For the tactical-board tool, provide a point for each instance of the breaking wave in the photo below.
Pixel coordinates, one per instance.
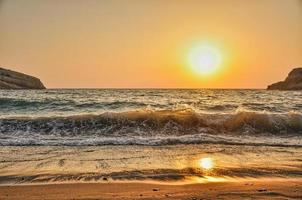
(166, 121)
(148, 127)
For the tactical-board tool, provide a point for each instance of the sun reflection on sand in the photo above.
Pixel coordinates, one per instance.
(207, 179)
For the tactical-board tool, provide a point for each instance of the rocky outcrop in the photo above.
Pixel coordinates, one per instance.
(292, 82)
(15, 80)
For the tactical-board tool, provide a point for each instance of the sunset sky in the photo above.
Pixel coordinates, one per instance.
(148, 43)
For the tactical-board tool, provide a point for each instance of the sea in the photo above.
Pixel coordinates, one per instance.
(97, 135)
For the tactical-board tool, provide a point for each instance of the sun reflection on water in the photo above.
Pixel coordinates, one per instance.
(206, 163)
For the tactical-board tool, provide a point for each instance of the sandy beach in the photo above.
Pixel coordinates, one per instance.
(254, 189)
(142, 172)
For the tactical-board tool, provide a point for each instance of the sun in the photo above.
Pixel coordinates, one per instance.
(205, 59)
(206, 163)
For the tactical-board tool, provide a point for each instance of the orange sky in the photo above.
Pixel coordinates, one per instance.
(146, 43)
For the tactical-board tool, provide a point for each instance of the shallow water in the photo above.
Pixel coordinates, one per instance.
(176, 163)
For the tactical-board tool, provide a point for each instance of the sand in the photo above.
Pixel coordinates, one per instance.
(270, 189)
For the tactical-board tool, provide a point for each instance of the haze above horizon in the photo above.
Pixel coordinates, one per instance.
(152, 44)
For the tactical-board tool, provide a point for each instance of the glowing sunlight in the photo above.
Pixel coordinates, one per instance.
(205, 59)
(206, 163)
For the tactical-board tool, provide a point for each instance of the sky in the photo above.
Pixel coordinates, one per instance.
(148, 43)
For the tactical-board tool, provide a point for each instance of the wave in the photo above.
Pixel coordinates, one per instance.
(11, 103)
(54, 104)
(164, 121)
(150, 127)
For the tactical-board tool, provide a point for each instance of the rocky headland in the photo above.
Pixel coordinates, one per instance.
(292, 82)
(15, 80)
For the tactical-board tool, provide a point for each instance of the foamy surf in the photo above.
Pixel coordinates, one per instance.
(149, 117)
(149, 127)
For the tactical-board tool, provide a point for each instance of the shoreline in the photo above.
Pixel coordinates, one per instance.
(21, 165)
(264, 189)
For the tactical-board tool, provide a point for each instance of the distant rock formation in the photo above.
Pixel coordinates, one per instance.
(292, 82)
(15, 80)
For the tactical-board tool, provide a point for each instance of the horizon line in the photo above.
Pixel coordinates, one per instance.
(156, 88)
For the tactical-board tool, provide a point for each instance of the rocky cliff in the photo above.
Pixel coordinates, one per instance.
(292, 82)
(15, 80)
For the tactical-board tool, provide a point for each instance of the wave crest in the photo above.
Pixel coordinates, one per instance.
(176, 122)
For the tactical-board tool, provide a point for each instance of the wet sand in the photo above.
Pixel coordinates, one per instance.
(168, 172)
(255, 189)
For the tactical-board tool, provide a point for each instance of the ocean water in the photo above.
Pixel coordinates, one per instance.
(149, 117)
(148, 134)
